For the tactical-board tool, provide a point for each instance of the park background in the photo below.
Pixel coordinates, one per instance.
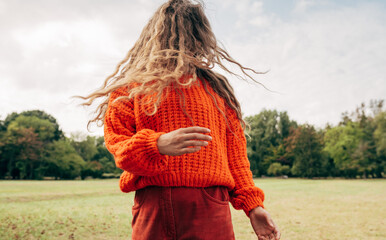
(324, 118)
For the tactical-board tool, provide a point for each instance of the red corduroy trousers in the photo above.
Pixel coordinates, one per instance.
(182, 213)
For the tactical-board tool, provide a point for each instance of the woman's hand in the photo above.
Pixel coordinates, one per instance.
(177, 142)
(263, 225)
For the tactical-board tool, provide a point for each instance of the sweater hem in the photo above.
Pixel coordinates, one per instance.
(130, 182)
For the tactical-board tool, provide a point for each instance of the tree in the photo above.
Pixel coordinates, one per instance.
(341, 143)
(306, 145)
(380, 142)
(2, 126)
(361, 157)
(21, 147)
(3, 162)
(58, 134)
(87, 148)
(42, 127)
(268, 129)
(94, 152)
(276, 169)
(105, 157)
(62, 160)
(21, 150)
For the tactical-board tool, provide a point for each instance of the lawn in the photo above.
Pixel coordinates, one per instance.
(96, 209)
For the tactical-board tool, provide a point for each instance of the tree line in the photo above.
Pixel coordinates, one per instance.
(355, 148)
(32, 146)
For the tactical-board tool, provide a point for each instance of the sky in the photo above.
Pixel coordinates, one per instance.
(324, 57)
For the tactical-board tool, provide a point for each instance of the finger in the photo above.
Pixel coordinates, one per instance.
(276, 228)
(197, 136)
(194, 143)
(278, 235)
(191, 150)
(261, 237)
(195, 129)
(276, 231)
(265, 237)
(271, 236)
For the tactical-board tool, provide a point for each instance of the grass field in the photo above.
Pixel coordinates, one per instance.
(96, 209)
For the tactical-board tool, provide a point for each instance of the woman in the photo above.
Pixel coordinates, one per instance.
(174, 127)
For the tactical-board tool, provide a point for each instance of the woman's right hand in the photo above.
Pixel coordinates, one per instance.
(263, 224)
(177, 142)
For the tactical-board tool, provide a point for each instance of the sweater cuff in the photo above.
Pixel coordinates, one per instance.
(147, 152)
(252, 203)
(247, 199)
(151, 146)
(143, 156)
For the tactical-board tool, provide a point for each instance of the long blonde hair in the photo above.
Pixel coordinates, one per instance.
(177, 41)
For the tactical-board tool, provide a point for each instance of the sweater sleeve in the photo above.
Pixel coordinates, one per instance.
(245, 195)
(134, 151)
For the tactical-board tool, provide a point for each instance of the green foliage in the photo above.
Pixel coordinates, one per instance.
(268, 129)
(63, 161)
(58, 134)
(380, 134)
(356, 144)
(87, 148)
(276, 169)
(32, 146)
(42, 127)
(356, 147)
(94, 152)
(21, 149)
(380, 143)
(306, 145)
(2, 126)
(341, 143)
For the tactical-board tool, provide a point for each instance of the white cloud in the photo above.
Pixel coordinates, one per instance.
(251, 13)
(323, 61)
(66, 48)
(301, 6)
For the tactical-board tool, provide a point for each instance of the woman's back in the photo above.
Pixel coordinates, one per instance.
(175, 126)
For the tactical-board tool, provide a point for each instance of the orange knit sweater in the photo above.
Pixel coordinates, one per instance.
(131, 136)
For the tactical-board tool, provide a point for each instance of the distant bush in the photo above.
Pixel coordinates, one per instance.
(276, 169)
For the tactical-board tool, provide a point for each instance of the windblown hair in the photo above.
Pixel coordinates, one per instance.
(177, 41)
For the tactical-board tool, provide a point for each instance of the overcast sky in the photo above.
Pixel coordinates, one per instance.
(325, 57)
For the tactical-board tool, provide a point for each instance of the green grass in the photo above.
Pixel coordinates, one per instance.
(96, 209)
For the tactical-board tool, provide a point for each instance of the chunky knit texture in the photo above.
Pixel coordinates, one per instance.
(131, 136)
